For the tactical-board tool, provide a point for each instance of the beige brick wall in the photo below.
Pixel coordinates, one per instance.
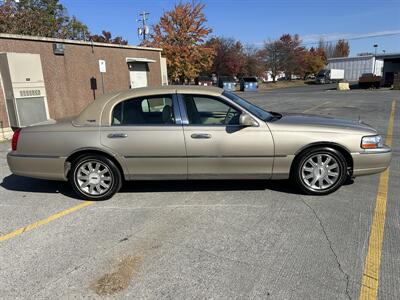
(67, 77)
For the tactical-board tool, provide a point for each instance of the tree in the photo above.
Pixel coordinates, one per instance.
(46, 18)
(291, 53)
(339, 49)
(272, 57)
(228, 56)
(181, 33)
(342, 49)
(252, 62)
(285, 54)
(106, 37)
(312, 62)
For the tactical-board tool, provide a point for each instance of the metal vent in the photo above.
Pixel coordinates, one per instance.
(58, 49)
(31, 110)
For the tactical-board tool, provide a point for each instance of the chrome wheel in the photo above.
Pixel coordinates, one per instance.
(320, 171)
(94, 178)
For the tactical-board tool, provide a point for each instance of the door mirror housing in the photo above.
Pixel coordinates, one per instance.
(246, 120)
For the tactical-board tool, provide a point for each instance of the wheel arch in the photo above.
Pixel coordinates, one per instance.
(94, 151)
(340, 148)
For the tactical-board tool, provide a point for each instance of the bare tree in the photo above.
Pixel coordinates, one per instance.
(272, 57)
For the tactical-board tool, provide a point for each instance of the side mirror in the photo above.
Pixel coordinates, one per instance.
(246, 120)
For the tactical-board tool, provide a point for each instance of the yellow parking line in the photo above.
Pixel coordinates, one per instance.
(370, 279)
(316, 106)
(44, 221)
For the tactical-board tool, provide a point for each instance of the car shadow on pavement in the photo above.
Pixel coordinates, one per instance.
(32, 185)
(284, 186)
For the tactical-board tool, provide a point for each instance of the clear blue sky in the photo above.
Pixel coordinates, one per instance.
(254, 21)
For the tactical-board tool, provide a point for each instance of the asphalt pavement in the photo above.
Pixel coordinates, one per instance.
(205, 239)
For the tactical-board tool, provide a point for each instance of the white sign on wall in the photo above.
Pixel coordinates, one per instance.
(102, 66)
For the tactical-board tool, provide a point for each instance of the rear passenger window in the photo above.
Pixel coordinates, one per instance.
(157, 110)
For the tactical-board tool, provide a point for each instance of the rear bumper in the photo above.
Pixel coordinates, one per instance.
(371, 162)
(37, 166)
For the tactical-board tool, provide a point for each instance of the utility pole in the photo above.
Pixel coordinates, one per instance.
(375, 46)
(143, 31)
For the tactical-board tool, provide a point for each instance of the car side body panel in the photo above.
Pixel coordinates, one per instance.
(168, 152)
(150, 152)
(229, 152)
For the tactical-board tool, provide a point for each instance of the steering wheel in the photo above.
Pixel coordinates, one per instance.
(229, 115)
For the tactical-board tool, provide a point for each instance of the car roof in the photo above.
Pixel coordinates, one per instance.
(91, 115)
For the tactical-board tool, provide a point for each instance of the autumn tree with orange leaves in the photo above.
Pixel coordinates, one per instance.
(182, 33)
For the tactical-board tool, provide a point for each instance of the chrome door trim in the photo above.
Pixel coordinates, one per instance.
(201, 136)
(118, 135)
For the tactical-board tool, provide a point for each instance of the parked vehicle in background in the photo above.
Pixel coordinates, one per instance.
(248, 84)
(192, 132)
(369, 80)
(214, 79)
(329, 75)
(228, 83)
(295, 77)
(203, 81)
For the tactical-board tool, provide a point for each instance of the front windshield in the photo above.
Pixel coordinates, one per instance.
(255, 110)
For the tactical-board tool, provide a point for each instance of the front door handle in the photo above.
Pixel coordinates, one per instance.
(201, 136)
(117, 135)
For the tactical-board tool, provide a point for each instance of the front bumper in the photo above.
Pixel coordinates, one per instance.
(37, 166)
(371, 161)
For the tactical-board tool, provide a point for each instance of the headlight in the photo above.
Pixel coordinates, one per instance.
(372, 142)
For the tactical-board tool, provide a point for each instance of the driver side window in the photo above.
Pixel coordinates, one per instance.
(204, 110)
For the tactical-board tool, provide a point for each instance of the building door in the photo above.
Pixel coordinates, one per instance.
(138, 74)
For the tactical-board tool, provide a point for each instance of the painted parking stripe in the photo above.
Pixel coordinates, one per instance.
(315, 107)
(44, 221)
(370, 278)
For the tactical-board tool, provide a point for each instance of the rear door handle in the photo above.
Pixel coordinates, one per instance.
(117, 135)
(201, 136)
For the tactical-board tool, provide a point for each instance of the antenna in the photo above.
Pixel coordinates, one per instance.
(144, 30)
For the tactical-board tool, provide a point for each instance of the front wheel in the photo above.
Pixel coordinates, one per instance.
(320, 171)
(95, 177)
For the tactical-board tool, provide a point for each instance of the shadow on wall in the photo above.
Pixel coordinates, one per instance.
(31, 185)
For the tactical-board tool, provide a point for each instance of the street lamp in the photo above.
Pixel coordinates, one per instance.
(376, 47)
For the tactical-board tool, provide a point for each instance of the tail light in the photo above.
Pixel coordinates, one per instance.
(14, 140)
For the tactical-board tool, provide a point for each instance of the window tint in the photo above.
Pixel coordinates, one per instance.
(210, 111)
(144, 111)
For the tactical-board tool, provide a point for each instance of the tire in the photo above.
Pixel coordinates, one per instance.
(319, 171)
(94, 177)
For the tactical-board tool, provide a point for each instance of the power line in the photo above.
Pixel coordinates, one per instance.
(355, 38)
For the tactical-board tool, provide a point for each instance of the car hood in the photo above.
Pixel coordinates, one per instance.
(297, 122)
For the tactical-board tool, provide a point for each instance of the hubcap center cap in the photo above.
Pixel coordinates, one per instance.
(94, 178)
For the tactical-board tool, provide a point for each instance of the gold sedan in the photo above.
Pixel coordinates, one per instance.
(178, 133)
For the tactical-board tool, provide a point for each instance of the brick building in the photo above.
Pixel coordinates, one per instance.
(54, 78)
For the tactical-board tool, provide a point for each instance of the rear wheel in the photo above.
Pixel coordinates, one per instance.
(320, 171)
(95, 177)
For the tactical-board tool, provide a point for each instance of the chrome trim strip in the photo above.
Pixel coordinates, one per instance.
(375, 151)
(33, 156)
(207, 156)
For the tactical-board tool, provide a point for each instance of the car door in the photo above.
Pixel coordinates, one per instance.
(147, 132)
(217, 146)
